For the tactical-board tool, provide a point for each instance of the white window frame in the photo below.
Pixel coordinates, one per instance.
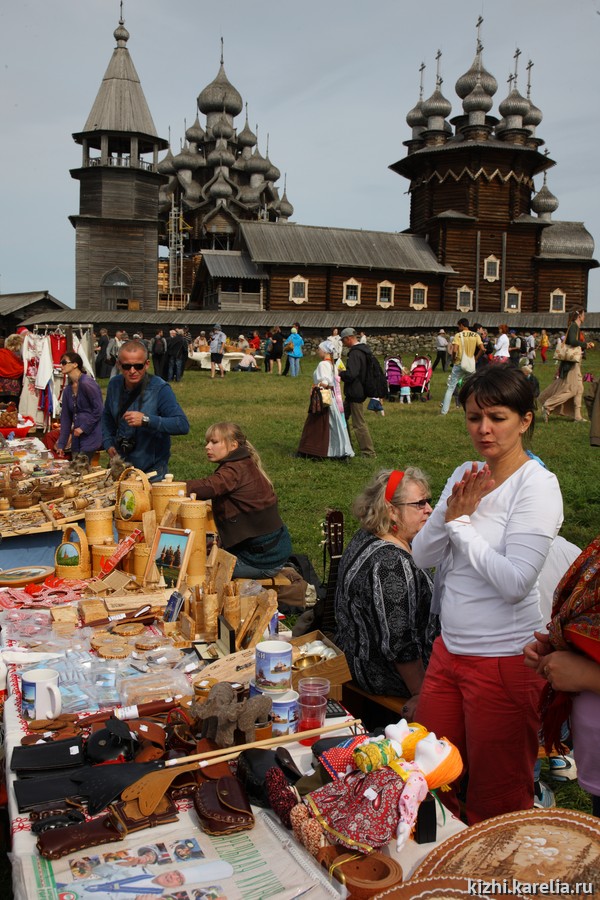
(465, 289)
(557, 292)
(491, 259)
(418, 287)
(385, 303)
(512, 309)
(351, 282)
(298, 279)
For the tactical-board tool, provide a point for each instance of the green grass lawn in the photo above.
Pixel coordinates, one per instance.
(271, 410)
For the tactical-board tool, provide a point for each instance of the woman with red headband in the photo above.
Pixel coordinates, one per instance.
(489, 537)
(382, 600)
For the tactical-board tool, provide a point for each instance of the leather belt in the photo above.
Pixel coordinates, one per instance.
(364, 876)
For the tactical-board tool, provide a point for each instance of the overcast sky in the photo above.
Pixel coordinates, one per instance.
(331, 81)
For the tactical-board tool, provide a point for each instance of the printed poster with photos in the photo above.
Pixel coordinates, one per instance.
(182, 863)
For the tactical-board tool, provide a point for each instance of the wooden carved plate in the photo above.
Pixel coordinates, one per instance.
(23, 575)
(438, 888)
(533, 846)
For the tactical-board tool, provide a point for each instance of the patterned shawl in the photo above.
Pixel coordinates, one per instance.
(575, 625)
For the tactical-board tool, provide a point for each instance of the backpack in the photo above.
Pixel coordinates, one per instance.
(375, 383)
(158, 346)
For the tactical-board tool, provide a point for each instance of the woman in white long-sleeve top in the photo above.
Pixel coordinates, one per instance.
(488, 537)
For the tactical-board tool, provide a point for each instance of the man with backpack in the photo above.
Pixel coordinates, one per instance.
(466, 348)
(359, 383)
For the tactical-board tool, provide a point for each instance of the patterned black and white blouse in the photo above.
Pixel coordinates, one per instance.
(382, 609)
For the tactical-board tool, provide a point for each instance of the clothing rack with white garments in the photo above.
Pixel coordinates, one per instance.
(43, 381)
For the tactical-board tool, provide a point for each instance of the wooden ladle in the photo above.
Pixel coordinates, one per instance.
(150, 788)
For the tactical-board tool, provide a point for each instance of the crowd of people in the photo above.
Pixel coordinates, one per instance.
(464, 647)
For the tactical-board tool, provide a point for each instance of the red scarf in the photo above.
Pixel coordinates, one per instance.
(11, 365)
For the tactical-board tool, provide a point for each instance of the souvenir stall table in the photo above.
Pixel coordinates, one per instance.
(119, 646)
(38, 496)
(202, 357)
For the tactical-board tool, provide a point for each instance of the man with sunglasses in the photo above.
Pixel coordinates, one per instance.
(140, 414)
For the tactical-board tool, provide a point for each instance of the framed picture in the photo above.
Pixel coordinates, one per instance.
(170, 553)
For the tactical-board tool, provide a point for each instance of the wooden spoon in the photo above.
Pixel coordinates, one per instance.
(151, 788)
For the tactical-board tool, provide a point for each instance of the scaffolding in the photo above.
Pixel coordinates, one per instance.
(177, 227)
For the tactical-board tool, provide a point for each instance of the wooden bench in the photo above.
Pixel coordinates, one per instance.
(373, 709)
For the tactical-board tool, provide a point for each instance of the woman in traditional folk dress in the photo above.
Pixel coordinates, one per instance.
(325, 435)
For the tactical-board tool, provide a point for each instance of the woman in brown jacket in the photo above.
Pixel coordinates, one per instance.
(244, 504)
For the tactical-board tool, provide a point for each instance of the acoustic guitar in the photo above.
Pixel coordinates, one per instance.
(333, 529)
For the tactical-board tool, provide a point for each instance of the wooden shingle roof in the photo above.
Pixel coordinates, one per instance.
(278, 244)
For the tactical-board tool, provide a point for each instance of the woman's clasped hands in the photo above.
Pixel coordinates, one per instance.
(468, 492)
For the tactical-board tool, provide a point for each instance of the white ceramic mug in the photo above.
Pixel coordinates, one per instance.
(40, 694)
(273, 666)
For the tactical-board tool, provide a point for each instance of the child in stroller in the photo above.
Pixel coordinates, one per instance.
(420, 374)
(393, 374)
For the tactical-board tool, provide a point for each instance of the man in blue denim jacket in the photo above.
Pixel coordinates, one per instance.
(140, 414)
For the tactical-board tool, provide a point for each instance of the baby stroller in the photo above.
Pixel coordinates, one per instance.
(393, 373)
(420, 372)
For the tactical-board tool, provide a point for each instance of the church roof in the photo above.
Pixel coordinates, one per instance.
(316, 246)
(567, 240)
(120, 104)
(10, 303)
(232, 264)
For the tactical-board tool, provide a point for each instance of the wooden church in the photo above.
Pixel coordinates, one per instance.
(481, 238)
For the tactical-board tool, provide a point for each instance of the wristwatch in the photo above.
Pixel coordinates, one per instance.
(145, 420)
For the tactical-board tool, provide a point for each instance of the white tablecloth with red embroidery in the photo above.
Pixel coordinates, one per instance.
(35, 877)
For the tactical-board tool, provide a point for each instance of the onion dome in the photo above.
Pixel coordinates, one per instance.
(285, 208)
(478, 100)
(165, 166)
(272, 173)
(186, 159)
(120, 34)
(221, 155)
(415, 117)
(246, 137)
(257, 164)
(533, 117)
(251, 195)
(436, 106)
(544, 202)
(220, 189)
(514, 105)
(192, 192)
(195, 133)
(222, 128)
(467, 82)
(220, 95)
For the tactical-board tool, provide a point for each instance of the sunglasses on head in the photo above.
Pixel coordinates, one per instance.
(421, 504)
(137, 366)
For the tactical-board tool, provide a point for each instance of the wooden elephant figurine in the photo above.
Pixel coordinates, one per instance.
(255, 710)
(219, 714)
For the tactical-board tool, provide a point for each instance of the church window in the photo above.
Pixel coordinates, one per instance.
(298, 289)
(512, 300)
(418, 295)
(491, 268)
(558, 301)
(464, 298)
(385, 294)
(351, 292)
